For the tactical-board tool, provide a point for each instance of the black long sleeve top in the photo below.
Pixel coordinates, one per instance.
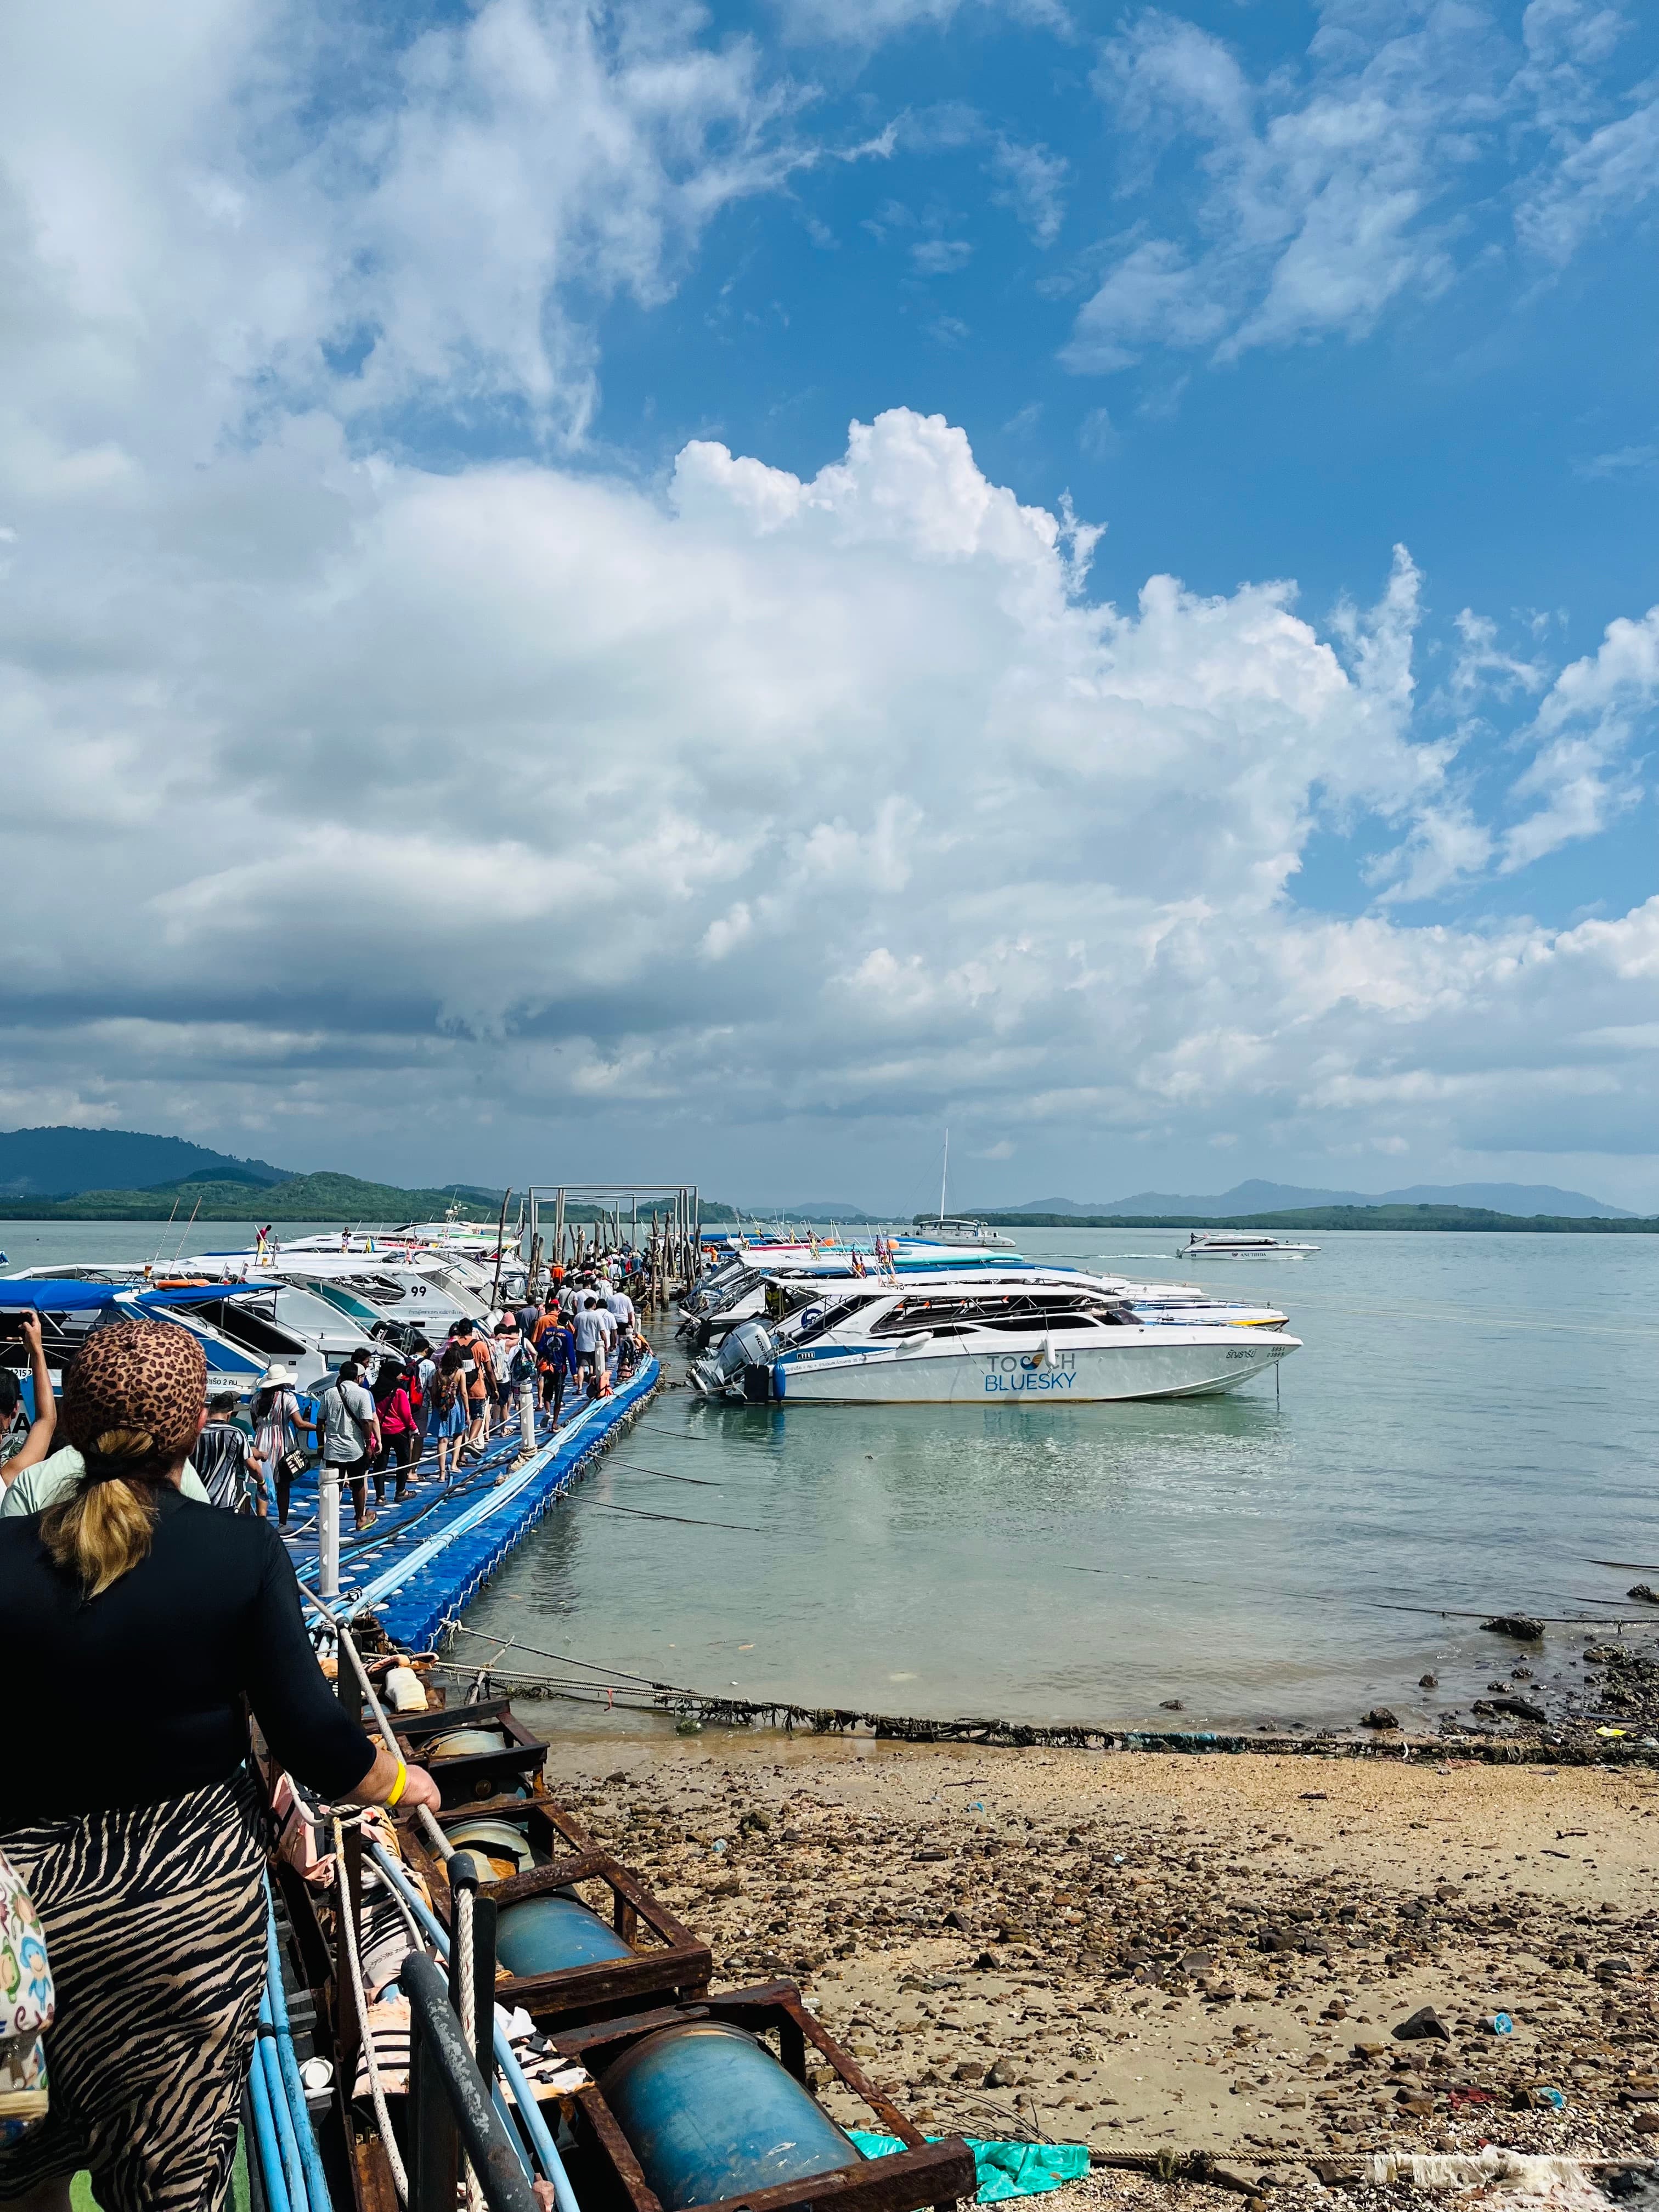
(136, 1695)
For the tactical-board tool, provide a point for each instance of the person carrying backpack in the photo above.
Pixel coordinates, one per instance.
(351, 1434)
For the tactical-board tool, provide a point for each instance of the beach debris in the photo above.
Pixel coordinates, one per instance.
(1380, 1717)
(1497, 2023)
(1421, 2024)
(1520, 1708)
(1521, 1626)
(1522, 2171)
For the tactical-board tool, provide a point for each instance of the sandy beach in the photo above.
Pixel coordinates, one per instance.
(1143, 1952)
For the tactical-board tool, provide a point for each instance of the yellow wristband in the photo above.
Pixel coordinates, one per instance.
(398, 1786)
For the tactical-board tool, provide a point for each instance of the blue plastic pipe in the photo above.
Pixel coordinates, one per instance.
(271, 2172)
(311, 2158)
(547, 2153)
(285, 2135)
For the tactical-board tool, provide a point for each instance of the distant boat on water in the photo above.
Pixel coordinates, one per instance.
(1241, 1244)
(964, 1229)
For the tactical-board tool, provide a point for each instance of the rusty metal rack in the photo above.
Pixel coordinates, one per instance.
(922, 2173)
(672, 1964)
(465, 1782)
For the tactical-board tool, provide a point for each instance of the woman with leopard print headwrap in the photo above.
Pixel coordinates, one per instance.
(142, 1847)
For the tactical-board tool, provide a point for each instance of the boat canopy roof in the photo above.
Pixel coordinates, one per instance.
(55, 1295)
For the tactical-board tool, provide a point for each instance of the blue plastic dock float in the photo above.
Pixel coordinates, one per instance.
(424, 1559)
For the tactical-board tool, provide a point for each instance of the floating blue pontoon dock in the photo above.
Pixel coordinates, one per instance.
(424, 1560)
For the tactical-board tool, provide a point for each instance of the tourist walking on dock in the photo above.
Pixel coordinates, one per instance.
(276, 1422)
(145, 1853)
(622, 1312)
(452, 1410)
(223, 1457)
(398, 1430)
(423, 1381)
(556, 1356)
(593, 1330)
(465, 1339)
(351, 1436)
(503, 1346)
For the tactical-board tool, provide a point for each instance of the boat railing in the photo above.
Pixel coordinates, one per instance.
(451, 2110)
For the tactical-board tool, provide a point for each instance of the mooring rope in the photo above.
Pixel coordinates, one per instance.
(360, 1999)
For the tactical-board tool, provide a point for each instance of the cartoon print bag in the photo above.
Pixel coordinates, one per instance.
(26, 2007)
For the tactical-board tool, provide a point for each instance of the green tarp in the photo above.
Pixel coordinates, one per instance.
(1004, 2169)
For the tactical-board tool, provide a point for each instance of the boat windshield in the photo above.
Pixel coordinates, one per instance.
(734, 1291)
(815, 1314)
(1015, 1310)
(354, 1308)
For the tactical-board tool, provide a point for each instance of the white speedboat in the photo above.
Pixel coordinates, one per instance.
(743, 1291)
(958, 1229)
(1241, 1244)
(970, 1339)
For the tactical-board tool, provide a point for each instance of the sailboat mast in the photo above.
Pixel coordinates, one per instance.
(943, 1172)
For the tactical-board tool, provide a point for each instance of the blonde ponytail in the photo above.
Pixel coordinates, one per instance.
(104, 1530)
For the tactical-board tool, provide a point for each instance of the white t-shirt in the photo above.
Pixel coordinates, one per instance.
(56, 1475)
(589, 1329)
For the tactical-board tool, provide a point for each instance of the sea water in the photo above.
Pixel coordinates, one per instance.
(1470, 1428)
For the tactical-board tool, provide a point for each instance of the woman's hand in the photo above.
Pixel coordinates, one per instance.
(421, 1789)
(38, 1443)
(381, 1779)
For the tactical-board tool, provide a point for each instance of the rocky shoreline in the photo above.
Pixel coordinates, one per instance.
(1156, 1953)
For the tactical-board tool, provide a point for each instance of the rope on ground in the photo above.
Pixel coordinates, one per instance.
(699, 1706)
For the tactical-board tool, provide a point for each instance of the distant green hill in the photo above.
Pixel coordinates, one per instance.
(1342, 1217)
(341, 1198)
(55, 1162)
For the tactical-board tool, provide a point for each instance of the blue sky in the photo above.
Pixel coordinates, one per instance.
(604, 564)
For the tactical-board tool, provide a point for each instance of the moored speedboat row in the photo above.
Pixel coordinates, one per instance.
(943, 1327)
(768, 1282)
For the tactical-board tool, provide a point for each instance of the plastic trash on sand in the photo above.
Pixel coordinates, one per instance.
(1004, 2169)
(1517, 2175)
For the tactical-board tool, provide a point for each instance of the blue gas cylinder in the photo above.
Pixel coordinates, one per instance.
(709, 2112)
(541, 1935)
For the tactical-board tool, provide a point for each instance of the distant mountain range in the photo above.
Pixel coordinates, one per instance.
(1259, 1197)
(57, 1163)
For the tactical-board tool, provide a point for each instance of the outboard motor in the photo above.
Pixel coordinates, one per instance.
(747, 1361)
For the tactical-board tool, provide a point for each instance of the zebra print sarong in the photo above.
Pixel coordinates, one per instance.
(154, 1918)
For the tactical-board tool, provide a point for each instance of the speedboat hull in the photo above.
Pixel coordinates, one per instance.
(1159, 1361)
